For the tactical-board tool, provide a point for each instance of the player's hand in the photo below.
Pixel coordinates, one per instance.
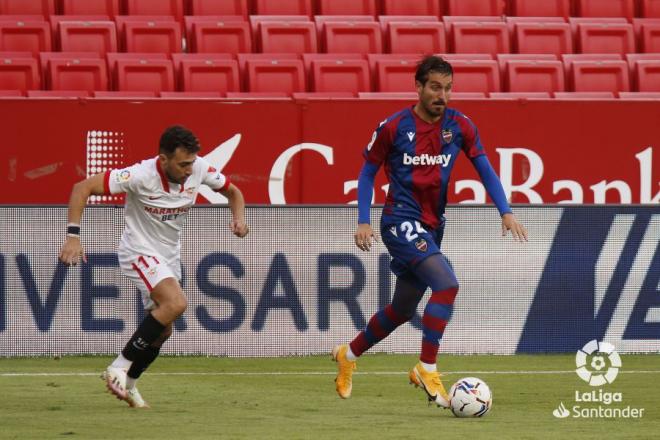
(364, 236)
(510, 223)
(239, 228)
(72, 251)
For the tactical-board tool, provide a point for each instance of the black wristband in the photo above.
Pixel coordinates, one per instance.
(73, 230)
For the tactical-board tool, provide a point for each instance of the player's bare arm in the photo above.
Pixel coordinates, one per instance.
(72, 249)
(510, 223)
(237, 205)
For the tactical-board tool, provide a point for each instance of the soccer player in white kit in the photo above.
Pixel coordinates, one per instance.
(159, 192)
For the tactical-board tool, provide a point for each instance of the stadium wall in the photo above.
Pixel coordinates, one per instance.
(298, 285)
(309, 151)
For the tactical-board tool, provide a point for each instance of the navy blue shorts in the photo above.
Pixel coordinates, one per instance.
(409, 242)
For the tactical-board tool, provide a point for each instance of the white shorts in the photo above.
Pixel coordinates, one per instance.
(146, 271)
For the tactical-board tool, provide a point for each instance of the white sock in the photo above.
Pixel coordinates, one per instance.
(121, 362)
(350, 355)
(430, 368)
(130, 383)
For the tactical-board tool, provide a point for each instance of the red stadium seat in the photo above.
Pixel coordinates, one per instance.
(568, 60)
(87, 74)
(210, 74)
(340, 76)
(600, 76)
(404, 96)
(36, 7)
(650, 37)
(19, 71)
(219, 36)
(287, 37)
(476, 76)
(385, 20)
(259, 95)
(321, 20)
(606, 38)
(90, 7)
(650, 8)
(58, 94)
(513, 21)
(9, 94)
(395, 75)
(219, 7)
(322, 95)
(475, 7)
(87, 36)
(541, 8)
(256, 20)
(152, 36)
(276, 75)
(243, 58)
(189, 20)
(23, 35)
(480, 37)
(400, 58)
(519, 95)
(142, 72)
(449, 20)
(588, 96)
(605, 8)
(576, 21)
(647, 75)
(191, 95)
(346, 7)
(155, 7)
(45, 57)
(407, 7)
(504, 58)
(283, 7)
(336, 57)
(451, 57)
(646, 96)
(358, 37)
(416, 37)
(534, 76)
(632, 59)
(533, 38)
(124, 94)
(457, 96)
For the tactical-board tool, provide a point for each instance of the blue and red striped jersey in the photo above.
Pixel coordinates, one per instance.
(418, 159)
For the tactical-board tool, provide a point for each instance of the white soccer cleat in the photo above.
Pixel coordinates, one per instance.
(135, 400)
(115, 380)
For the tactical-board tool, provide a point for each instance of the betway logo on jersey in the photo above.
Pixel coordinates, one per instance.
(427, 159)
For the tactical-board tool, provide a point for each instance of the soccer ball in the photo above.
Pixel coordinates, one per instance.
(470, 397)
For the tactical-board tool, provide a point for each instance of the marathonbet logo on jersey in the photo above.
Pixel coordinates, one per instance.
(427, 159)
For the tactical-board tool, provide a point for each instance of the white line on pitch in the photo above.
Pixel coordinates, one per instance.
(317, 373)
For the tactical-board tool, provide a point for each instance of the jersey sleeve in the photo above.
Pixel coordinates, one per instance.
(211, 177)
(472, 146)
(379, 146)
(122, 180)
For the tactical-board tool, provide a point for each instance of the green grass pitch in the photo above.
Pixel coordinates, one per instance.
(294, 398)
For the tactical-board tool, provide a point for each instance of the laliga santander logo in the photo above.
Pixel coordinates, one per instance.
(600, 352)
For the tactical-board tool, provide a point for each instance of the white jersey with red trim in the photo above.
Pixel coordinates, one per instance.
(156, 209)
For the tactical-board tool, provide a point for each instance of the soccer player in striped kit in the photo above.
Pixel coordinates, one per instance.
(418, 146)
(159, 193)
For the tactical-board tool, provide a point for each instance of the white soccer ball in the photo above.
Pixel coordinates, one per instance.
(470, 397)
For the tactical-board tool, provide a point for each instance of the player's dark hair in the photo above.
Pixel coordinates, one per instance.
(432, 63)
(178, 136)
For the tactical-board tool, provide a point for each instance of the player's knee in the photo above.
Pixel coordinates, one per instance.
(179, 305)
(406, 311)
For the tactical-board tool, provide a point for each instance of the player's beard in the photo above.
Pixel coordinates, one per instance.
(433, 111)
